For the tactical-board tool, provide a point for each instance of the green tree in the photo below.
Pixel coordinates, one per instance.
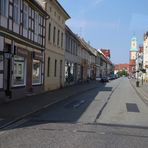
(122, 73)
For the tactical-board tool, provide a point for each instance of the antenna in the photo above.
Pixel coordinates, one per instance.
(80, 31)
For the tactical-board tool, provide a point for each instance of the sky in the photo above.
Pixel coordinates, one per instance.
(108, 23)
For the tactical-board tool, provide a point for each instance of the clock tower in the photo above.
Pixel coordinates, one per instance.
(133, 53)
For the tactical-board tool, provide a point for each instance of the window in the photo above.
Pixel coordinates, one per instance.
(59, 17)
(50, 9)
(58, 37)
(4, 7)
(16, 11)
(36, 23)
(36, 72)
(62, 40)
(54, 32)
(55, 13)
(48, 67)
(25, 16)
(49, 31)
(19, 71)
(55, 68)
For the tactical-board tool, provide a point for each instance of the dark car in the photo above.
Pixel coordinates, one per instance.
(104, 79)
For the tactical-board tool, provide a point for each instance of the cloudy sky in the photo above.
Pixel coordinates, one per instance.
(108, 23)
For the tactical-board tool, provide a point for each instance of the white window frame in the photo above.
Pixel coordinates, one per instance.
(39, 83)
(36, 23)
(16, 11)
(4, 8)
(25, 70)
(25, 15)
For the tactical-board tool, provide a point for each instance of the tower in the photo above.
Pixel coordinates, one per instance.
(133, 53)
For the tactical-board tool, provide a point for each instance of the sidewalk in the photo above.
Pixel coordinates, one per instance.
(142, 90)
(19, 109)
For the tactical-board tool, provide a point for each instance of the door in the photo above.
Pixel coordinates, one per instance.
(61, 63)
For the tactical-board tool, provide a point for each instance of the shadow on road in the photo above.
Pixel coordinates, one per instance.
(66, 111)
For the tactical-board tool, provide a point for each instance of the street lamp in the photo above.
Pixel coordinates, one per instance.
(8, 55)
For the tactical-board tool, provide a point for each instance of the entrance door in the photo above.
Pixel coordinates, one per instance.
(1, 74)
(61, 63)
(81, 72)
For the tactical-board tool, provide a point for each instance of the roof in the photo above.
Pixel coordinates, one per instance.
(60, 6)
(105, 58)
(38, 6)
(90, 49)
(71, 32)
(121, 66)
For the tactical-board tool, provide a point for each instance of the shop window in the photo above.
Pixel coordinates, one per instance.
(36, 72)
(19, 71)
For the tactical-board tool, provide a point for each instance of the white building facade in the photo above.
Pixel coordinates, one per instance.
(22, 39)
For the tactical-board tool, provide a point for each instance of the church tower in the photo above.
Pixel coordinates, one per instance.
(133, 53)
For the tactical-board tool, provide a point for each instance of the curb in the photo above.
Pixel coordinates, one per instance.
(140, 94)
(105, 104)
(43, 107)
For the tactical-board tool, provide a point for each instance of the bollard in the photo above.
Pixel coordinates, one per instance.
(137, 83)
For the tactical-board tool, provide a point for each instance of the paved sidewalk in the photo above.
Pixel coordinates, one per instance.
(142, 90)
(16, 110)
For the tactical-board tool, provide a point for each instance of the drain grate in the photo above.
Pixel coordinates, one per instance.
(132, 107)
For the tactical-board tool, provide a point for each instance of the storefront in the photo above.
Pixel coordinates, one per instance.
(70, 73)
(21, 70)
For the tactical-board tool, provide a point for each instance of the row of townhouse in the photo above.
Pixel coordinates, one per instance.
(138, 65)
(38, 52)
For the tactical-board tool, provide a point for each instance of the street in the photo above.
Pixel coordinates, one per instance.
(109, 116)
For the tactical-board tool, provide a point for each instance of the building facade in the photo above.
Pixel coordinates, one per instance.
(145, 56)
(133, 56)
(87, 56)
(121, 67)
(22, 39)
(72, 66)
(55, 45)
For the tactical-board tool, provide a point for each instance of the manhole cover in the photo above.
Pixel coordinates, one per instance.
(132, 107)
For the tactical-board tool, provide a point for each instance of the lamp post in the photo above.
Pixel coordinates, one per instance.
(8, 56)
(137, 69)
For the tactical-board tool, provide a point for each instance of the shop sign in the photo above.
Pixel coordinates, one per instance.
(38, 56)
(21, 52)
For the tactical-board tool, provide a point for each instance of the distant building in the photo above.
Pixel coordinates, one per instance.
(145, 55)
(106, 52)
(120, 67)
(133, 54)
(106, 66)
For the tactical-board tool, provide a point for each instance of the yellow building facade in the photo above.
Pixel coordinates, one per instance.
(55, 45)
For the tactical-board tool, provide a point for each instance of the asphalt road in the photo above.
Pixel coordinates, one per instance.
(106, 117)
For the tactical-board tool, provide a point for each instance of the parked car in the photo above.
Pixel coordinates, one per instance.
(104, 79)
(112, 77)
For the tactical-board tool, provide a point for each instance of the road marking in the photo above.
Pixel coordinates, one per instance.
(16, 124)
(79, 104)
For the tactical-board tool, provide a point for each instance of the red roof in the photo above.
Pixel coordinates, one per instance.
(121, 66)
(132, 62)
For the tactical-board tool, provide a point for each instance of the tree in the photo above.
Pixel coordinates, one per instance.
(122, 73)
